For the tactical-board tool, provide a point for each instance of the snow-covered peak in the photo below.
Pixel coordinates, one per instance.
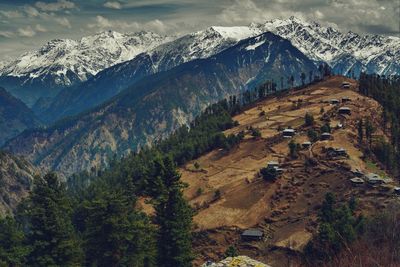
(84, 58)
(330, 45)
(237, 33)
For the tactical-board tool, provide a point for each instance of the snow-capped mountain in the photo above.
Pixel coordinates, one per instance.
(345, 52)
(126, 58)
(62, 63)
(109, 82)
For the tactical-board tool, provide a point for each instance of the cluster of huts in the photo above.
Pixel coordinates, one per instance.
(371, 179)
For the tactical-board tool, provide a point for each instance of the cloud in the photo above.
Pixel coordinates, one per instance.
(26, 32)
(113, 5)
(55, 6)
(355, 15)
(63, 21)
(6, 34)
(11, 14)
(31, 11)
(40, 28)
(104, 23)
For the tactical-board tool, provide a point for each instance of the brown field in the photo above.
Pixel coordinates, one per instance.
(285, 209)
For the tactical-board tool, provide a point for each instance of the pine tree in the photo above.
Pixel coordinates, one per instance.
(50, 232)
(303, 78)
(13, 251)
(115, 234)
(360, 126)
(369, 130)
(174, 217)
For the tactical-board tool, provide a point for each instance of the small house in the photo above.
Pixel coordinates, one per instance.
(346, 99)
(357, 181)
(326, 136)
(358, 173)
(334, 101)
(337, 152)
(306, 145)
(345, 111)
(272, 164)
(288, 133)
(396, 190)
(374, 179)
(279, 171)
(346, 85)
(252, 235)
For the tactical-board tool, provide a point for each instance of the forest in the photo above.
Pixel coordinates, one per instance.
(385, 90)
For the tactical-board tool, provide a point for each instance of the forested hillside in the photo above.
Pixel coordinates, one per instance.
(387, 92)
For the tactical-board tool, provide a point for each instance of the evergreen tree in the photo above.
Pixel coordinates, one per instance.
(310, 76)
(309, 119)
(369, 130)
(115, 234)
(231, 251)
(13, 251)
(360, 131)
(174, 217)
(303, 78)
(50, 232)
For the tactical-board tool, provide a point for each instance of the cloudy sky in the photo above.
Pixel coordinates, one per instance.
(28, 24)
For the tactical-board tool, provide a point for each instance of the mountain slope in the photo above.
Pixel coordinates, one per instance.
(16, 176)
(15, 116)
(157, 105)
(109, 82)
(63, 63)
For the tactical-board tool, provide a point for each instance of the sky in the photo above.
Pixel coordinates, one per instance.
(28, 24)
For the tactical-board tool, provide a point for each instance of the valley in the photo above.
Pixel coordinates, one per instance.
(286, 209)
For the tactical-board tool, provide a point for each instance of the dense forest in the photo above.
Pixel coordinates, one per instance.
(386, 91)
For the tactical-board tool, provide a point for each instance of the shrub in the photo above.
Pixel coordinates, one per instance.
(269, 174)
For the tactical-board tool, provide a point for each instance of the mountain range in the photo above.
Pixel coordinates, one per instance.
(157, 105)
(112, 93)
(64, 63)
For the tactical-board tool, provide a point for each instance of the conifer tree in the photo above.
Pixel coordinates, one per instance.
(115, 234)
(50, 232)
(13, 251)
(174, 217)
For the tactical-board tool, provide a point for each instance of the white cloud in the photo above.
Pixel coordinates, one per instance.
(113, 5)
(40, 28)
(26, 32)
(6, 34)
(63, 21)
(55, 6)
(11, 14)
(31, 11)
(104, 23)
